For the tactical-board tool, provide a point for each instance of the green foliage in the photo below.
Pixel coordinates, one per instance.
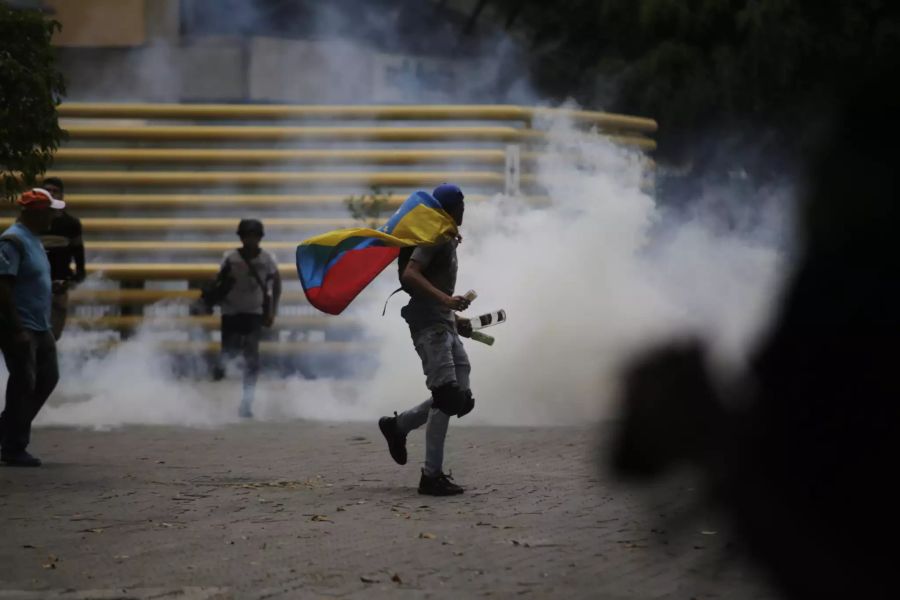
(705, 67)
(30, 91)
(369, 208)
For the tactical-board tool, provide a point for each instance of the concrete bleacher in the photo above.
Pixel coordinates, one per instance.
(160, 188)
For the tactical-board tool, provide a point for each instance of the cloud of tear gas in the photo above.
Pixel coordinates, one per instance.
(586, 281)
(132, 383)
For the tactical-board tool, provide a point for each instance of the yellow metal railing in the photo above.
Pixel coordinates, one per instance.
(262, 201)
(292, 166)
(216, 133)
(177, 246)
(193, 179)
(265, 157)
(248, 133)
(212, 224)
(167, 271)
(349, 113)
(142, 297)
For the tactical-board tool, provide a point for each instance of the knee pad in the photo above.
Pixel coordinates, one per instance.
(468, 403)
(448, 398)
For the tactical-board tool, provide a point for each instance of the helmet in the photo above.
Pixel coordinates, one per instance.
(250, 227)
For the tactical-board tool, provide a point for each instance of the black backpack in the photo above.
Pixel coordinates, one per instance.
(214, 292)
(439, 262)
(402, 261)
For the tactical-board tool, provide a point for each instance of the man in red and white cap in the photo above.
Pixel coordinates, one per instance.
(25, 333)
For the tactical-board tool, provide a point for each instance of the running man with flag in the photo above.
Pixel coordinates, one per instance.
(423, 234)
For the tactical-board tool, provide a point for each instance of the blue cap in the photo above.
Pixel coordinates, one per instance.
(448, 195)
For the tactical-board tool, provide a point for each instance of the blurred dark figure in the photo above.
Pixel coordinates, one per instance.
(64, 246)
(802, 454)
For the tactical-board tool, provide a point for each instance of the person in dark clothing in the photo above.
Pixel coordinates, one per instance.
(430, 277)
(64, 246)
(25, 337)
(250, 304)
(801, 451)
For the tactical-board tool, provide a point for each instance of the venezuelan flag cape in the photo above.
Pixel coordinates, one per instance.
(335, 267)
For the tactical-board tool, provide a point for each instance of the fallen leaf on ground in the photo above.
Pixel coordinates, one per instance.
(427, 536)
(321, 519)
(396, 578)
(369, 579)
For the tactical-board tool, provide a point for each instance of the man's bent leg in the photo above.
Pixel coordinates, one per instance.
(461, 364)
(463, 369)
(413, 418)
(394, 429)
(437, 363)
(435, 348)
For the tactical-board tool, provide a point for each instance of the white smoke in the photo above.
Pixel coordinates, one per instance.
(587, 280)
(132, 384)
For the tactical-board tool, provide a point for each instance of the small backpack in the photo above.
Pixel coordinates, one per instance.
(402, 261)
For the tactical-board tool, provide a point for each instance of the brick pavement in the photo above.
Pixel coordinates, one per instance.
(302, 509)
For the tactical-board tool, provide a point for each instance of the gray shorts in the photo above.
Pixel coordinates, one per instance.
(444, 359)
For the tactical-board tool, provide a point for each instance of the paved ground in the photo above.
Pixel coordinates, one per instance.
(299, 509)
